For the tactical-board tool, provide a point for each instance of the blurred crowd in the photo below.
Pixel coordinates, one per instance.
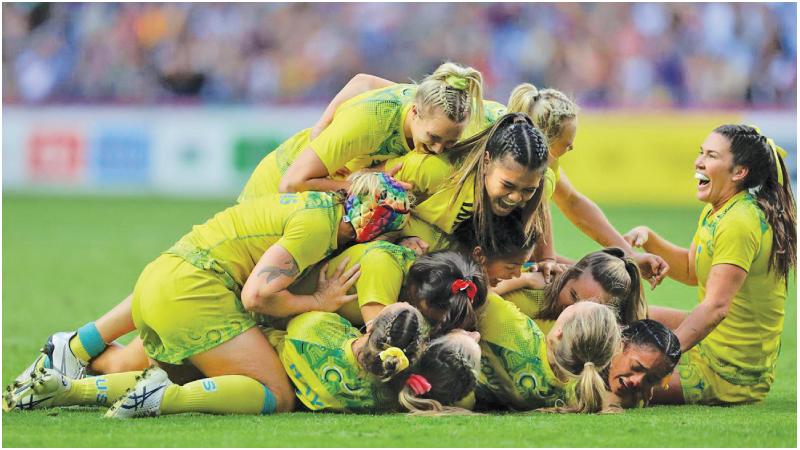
(634, 54)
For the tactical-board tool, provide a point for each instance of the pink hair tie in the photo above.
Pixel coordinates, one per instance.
(418, 384)
(464, 285)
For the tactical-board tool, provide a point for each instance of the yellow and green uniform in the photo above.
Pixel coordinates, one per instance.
(530, 302)
(317, 352)
(187, 300)
(365, 130)
(551, 177)
(736, 361)
(383, 267)
(515, 371)
(491, 112)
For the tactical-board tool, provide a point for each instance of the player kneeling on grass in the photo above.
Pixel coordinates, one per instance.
(742, 253)
(332, 366)
(186, 304)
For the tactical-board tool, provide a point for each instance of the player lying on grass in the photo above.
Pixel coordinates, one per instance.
(194, 305)
(740, 258)
(650, 350)
(555, 115)
(608, 276)
(373, 127)
(393, 367)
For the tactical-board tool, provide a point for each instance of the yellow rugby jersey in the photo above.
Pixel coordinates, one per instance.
(316, 351)
(551, 177)
(366, 129)
(383, 268)
(492, 111)
(428, 173)
(743, 348)
(445, 213)
(232, 242)
(530, 302)
(515, 371)
(267, 175)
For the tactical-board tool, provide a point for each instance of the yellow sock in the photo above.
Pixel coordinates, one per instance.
(102, 390)
(77, 349)
(228, 394)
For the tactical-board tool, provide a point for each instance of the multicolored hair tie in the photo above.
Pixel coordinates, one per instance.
(418, 384)
(464, 286)
(377, 204)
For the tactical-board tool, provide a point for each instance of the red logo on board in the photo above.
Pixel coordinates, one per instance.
(55, 156)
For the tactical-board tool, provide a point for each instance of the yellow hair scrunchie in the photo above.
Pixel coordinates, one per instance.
(402, 359)
(776, 150)
(456, 82)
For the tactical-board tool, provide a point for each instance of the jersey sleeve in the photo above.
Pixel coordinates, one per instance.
(352, 134)
(308, 237)
(427, 173)
(737, 240)
(381, 279)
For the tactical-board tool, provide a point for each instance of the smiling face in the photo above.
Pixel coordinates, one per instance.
(564, 142)
(585, 287)
(509, 184)
(432, 131)
(636, 370)
(717, 178)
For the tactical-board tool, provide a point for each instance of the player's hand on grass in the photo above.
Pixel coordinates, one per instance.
(637, 237)
(331, 292)
(416, 244)
(654, 268)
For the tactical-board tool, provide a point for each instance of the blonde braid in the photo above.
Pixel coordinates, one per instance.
(549, 108)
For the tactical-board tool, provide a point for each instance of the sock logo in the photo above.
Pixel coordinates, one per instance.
(102, 390)
(209, 385)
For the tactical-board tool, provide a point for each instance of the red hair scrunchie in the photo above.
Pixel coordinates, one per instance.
(418, 384)
(464, 285)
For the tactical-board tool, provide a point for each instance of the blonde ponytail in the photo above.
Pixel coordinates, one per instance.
(590, 338)
(548, 108)
(425, 406)
(457, 90)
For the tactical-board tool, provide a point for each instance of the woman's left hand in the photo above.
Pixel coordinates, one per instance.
(549, 269)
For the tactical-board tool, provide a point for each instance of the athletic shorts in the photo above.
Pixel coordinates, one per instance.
(181, 310)
(701, 385)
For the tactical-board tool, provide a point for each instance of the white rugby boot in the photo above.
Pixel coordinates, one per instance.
(38, 392)
(56, 354)
(144, 399)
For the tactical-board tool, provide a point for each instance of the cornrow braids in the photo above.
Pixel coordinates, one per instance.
(452, 374)
(751, 149)
(652, 334)
(456, 89)
(400, 326)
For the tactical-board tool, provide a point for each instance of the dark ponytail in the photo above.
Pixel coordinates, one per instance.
(431, 279)
(400, 327)
(753, 150)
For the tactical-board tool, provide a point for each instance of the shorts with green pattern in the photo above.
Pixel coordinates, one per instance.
(701, 385)
(181, 310)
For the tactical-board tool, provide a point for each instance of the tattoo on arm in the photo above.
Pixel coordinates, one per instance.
(273, 272)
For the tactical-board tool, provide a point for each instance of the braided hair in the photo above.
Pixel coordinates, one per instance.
(548, 108)
(753, 150)
(512, 136)
(451, 372)
(654, 335)
(430, 279)
(400, 326)
(455, 89)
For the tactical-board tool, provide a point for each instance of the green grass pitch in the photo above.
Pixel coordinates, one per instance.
(68, 259)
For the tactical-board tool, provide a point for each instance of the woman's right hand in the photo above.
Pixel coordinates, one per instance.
(637, 237)
(331, 292)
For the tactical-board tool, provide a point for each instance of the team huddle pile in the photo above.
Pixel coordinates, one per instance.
(398, 256)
